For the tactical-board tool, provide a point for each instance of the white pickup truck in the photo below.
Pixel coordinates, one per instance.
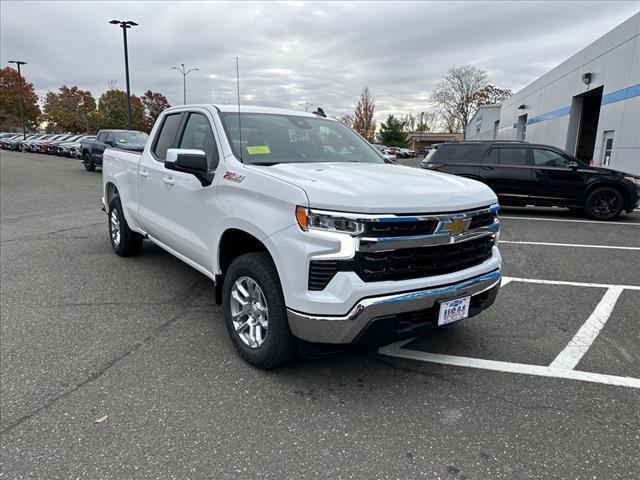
(314, 241)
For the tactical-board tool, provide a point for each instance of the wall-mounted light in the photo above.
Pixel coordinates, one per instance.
(586, 78)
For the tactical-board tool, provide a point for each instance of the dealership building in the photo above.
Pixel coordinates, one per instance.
(588, 105)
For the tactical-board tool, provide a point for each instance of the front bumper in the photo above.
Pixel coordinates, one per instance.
(366, 312)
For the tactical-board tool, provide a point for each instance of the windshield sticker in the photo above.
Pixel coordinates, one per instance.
(258, 150)
(233, 177)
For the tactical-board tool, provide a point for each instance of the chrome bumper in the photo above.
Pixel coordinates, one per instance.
(344, 329)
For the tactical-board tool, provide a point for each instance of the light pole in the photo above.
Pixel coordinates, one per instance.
(18, 63)
(124, 25)
(184, 73)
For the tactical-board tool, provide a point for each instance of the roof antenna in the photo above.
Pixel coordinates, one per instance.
(239, 123)
(320, 111)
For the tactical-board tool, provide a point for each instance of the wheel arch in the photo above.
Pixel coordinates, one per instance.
(603, 183)
(233, 243)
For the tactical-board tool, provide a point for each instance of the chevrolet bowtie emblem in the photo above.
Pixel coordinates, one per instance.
(457, 225)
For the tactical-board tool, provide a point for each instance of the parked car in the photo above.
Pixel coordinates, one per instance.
(49, 146)
(72, 149)
(92, 150)
(23, 145)
(12, 142)
(52, 147)
(310, 248)
(38, 145)
(523, 173)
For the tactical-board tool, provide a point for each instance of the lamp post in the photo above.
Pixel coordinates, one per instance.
(184, 73)
(125, 25)
(18, 63)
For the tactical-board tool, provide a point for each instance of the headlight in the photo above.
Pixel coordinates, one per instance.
(635, 180)
(310, 219)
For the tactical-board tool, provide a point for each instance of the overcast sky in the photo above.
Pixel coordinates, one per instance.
(291, 52)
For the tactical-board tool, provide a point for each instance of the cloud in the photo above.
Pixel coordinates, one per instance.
(295, 52)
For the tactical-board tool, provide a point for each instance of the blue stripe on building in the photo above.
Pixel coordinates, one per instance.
(617, 96)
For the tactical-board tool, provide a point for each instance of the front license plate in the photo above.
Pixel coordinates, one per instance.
(454, 310)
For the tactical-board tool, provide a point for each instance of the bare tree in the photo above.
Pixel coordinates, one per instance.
(457, 94)
(426, 121)
(363, 121)
(408, 122)
(347, 120)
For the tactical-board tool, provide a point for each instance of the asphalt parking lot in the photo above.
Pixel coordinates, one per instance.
(544, 385)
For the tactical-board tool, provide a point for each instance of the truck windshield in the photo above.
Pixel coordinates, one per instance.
(268, 139)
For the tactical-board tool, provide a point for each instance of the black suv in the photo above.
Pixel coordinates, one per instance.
(523, 173)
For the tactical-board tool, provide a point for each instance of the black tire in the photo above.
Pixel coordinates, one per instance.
(604, 203)
(128, 242)
(89, 166)
(279, 345)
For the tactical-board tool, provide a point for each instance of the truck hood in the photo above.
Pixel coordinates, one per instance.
(382, 188)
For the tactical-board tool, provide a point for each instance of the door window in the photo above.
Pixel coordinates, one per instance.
(110, 138)
(167, 135)
(513, 156)
(549, 158)
(198, 135)
(101, 137)
(607, 147)
(494, 156)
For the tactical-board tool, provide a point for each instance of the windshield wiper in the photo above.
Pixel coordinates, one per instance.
(264, 164)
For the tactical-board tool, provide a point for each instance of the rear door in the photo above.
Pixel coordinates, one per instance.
(174, 207)
(555, 181)
(507, 170)
(459, 159)
(151, 188)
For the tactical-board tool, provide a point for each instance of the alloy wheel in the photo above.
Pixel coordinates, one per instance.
(604, 204)
(249, 312)
(114, 224)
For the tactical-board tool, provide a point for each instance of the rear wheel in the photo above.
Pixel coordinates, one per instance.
(89, 166)
(124, 241)
(255, 313)
(604, 203)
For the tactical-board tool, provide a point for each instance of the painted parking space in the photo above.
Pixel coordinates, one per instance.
(531, 332)
(565, 364)
(569, 306)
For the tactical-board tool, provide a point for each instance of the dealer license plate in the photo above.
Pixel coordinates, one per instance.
(454, 310)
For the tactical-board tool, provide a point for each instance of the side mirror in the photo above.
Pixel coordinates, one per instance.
(573, 165)
(189, 161)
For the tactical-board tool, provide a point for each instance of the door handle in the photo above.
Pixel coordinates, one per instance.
(487, 168)
(143, 173)
(168, 180)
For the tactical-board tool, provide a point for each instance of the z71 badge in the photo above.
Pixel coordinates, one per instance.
(234, 177)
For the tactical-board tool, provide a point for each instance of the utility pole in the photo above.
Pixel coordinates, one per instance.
(125, 25)
(184, 73)
(18, 63)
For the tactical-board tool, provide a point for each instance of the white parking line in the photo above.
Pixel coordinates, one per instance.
(570, 220)
(563, 365)
(569, 358)
(551, 244)
(571, 284)
(396, 350)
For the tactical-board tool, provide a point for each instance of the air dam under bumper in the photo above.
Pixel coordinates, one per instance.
(345, 329)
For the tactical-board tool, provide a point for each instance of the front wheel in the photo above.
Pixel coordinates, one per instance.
(89, 166)
(254, 312)
(604, 203)
(125, 242)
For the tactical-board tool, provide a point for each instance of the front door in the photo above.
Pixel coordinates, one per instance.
(555, 180)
